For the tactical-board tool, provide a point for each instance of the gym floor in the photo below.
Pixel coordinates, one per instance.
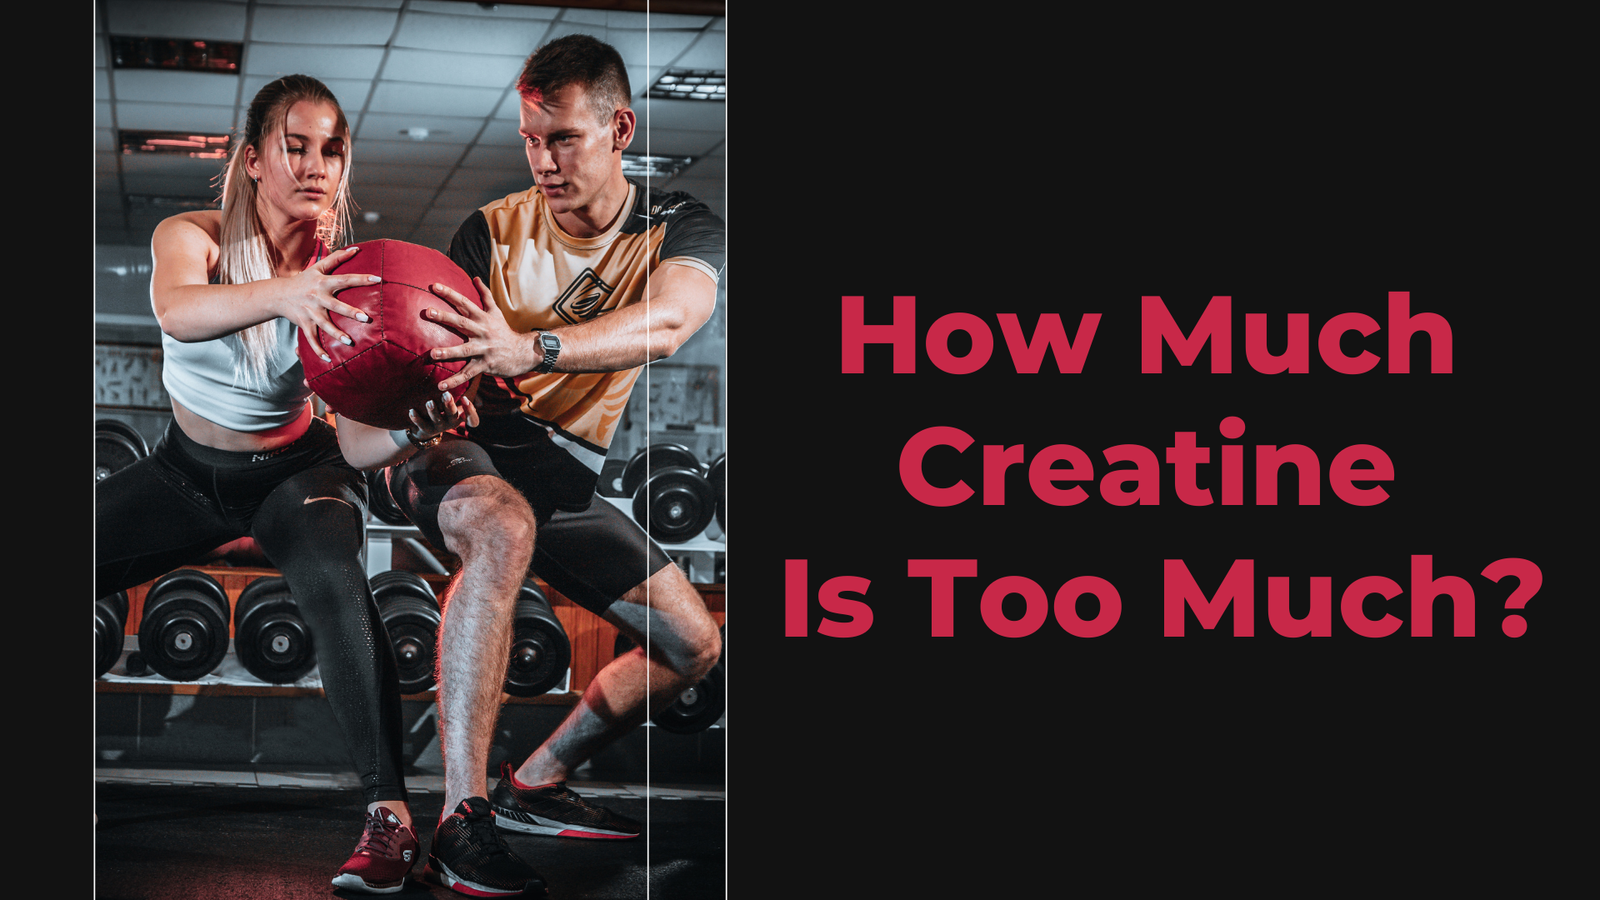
(169, 834)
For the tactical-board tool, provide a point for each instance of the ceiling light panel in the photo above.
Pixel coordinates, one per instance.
(195, 146)
(176, 54)
(691, 84)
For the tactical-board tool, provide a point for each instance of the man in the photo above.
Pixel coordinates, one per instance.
(592, 276)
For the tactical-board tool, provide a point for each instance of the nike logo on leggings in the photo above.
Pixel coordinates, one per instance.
(311, 500)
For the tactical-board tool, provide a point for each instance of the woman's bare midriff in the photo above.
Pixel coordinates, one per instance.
(210, 434)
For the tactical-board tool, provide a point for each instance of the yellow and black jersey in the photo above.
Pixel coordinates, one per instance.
(543, 277)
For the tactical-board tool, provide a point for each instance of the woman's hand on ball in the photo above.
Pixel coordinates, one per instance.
(490, 345)
(311, 299)
(449, 413)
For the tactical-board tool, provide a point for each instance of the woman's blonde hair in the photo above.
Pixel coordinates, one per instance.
(245, 253)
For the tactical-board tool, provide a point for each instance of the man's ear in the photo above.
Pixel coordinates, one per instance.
(622, 129)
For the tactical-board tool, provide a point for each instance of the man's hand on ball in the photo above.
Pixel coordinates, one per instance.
(311, 301)
(491, 346)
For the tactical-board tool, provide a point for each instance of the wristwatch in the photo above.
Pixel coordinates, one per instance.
(550, 347)
(423, 443)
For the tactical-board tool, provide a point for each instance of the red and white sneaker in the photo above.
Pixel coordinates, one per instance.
(555, 809)
(382, 860)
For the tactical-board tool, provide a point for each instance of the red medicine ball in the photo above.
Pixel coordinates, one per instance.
(387, 372)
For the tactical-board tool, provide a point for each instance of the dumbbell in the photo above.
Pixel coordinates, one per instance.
(270, 638)
(540, 650)
(671, 498)
(698, 707)
(410, 614)
(183, 634)
(674, 504)
(381, 502)
(654, 458)
(117, 445)
(717, 477)
(110, 620)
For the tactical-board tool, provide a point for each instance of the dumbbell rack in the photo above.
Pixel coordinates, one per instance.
(381, 538)
(593, 639)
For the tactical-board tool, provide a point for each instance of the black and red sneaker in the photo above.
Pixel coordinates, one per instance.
(470, 857)
(555, 809)
(383, 858)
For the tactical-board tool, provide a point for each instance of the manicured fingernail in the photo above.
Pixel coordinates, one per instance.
(374, 278)
(447, 396)
(347, 341)
(363, 317)
(325, 358)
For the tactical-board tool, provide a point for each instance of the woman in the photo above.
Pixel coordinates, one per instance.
(245, 456)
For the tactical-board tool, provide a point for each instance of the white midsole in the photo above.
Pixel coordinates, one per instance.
(544, 826)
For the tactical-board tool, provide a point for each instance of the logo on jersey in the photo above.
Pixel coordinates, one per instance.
(584, 299)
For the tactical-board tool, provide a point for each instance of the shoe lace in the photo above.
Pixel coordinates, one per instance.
(379, 837)
(562, 792)
(482, 834)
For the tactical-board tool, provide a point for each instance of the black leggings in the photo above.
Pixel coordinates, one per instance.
(306, 509)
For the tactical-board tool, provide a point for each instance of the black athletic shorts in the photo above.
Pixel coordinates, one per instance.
(586, 548)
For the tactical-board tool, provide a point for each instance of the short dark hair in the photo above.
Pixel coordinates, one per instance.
(582, 60)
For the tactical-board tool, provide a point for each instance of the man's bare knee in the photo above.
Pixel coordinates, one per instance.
(486, 518)
(668, 616)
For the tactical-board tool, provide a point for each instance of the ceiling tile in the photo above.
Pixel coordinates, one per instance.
(663, 21)
(406, 152)
(168, 185)
(173, 117)
(483, 156)
(448, 216)
(277, 60)
(434, 99)
(603, 18)
(437, 67)
(676, 142)
(441, 129)
(494, 182)
(393, 198)
(497, 10)
(379, 175)
(331, 25)
(154, 18)
(171, 165)
(471, 34)
(699, 115)
(153, 86)
(367, 4)
(709, 51)
(437, 238)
